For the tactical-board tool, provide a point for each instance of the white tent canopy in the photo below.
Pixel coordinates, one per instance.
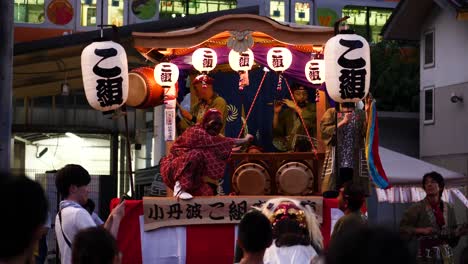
(406, 170)
(405, 174)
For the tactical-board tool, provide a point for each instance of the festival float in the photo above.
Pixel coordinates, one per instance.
(254, 62)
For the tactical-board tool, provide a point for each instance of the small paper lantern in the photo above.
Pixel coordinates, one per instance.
(347, 63)
(279, 59)
(241, 61)
(315, 71)
(166, 74)
(204, 59)
(105, 75)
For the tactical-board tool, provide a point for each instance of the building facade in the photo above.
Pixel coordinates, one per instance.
(441, 29)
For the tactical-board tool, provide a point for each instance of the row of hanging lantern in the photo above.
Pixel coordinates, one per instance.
(345, 69)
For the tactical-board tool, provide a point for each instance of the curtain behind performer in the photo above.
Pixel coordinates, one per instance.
(351, 148)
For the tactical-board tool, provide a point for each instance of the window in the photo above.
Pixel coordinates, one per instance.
(277, 10)
(302, 13)
(429, 49)
(172, 9)
(367, 21)
(115, 14)
(429, 105)
(204, 6)
(29, 11)
(88, 13)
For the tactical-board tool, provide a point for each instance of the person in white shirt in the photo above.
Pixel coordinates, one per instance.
(296, 234)
(24, 213)
(72, 184)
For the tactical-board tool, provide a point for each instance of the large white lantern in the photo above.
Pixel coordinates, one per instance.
(241, 61)
(105, 75)
(204, 59)
(315, 71)
(347, 63)
(279, 59)
(166, 74)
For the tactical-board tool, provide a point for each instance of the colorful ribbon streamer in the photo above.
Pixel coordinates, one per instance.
(374, 163)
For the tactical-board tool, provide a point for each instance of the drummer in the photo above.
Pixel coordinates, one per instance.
(287, 125)
(207, 98)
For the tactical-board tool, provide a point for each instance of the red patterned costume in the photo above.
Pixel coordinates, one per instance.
(197, 157)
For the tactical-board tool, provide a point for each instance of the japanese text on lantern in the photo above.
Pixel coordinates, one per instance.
(278, 60)
(244, 60)
(166, 73)
(314, 72)
(353, 76)
(109, 87)
(207, 59)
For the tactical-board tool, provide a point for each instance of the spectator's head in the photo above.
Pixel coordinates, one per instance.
(300, 95)
(203, 85)
(433, 183)
(255, 234)
(95, 245)
(24, 214)
(351, 197)
(212, 121)
(72, 183)
(89, 206)
(293, 222)
(369, 245)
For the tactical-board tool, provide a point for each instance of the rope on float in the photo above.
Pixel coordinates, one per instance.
(252, 105)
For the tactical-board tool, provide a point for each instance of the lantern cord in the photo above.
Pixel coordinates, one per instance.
(102, 20)
(252, 105)
(302, 119)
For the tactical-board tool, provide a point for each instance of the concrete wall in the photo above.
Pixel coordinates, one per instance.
(445, 141)
(451, 38)
(448, 134)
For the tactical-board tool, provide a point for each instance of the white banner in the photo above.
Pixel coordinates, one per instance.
(170, 121)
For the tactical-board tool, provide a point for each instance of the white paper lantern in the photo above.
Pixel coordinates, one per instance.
(347, 64)
(242, 61)
(315, 71)
(166, 74)
(279, 59)
(105, 75)
(204, 59)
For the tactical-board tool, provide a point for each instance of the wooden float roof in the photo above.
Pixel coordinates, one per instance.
(215, 33)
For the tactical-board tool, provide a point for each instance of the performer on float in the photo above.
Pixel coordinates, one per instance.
(350, 155)
(207, 98)
(296, 232)
(198, 158)
(287, 125)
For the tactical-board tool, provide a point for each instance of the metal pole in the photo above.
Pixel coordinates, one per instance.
(6, 76)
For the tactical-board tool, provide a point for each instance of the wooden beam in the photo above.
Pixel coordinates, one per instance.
(245, 22)
(47, 89)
